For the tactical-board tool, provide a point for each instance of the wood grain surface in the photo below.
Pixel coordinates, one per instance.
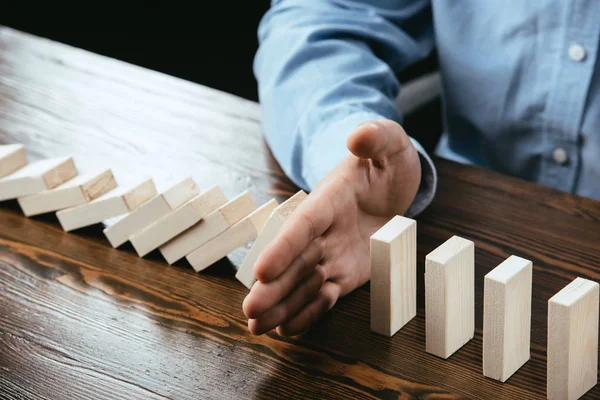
(79, 319)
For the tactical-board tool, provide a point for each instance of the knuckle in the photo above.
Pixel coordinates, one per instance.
(321, 273)
(248, 308)
(288, 242)
(303, 263)
(320, 247)
(331, 295)
(310, 225)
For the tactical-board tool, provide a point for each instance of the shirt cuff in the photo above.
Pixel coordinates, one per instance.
(428, 186)
(328, 148)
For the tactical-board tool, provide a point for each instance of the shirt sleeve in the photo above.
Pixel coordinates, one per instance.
(325, 66)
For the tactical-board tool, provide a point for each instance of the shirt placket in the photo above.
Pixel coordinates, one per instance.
(568, 95)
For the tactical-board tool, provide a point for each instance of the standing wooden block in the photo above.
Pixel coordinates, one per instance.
(449, 296)
(154, 209)
(246, 272)
(37, 177)
(207, 228)
(239, 234)
(177, 221)
(507, 318)
(79, 190)
(393, 275)
(117, 202)
(12, 158)
(573, 340)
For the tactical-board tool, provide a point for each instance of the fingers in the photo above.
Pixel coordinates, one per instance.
(264, 296)
(378, 140)
(302, 295)
(309, 221)
(325, 300)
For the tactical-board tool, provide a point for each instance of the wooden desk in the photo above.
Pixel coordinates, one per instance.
(79, 319)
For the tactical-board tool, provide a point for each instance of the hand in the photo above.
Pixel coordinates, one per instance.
(322, 251)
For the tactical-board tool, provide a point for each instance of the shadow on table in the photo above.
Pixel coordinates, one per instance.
(316, 354)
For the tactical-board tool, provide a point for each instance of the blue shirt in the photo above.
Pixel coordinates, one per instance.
(521, 83)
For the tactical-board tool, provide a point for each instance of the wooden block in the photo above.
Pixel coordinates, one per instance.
(573, 340)
(507, 318)
(239, 234)
(246, 272)
(207, 228)
(180, 193)
(154, 209)
(177, 221)
(116, 202)
(449, 296)
(36, 177)
(12, 158)
(79, 190)
(393, 275)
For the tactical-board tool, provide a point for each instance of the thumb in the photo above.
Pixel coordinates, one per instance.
(378, 140)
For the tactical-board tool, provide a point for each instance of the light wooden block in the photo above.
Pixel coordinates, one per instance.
(207, 228)
(572, 367)
(36, 177)
(449, 296)
(245, 273)
(507, 318)
(239, 234)
(180, 193)
(79, 190)
(177, 221)
(118, 201)
(154, 209)
(12, 158)
(393, 283)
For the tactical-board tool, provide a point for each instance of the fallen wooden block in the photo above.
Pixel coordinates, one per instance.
(246, 272)
(507, 318)
(239, 234)
(207, 228)
(118, 201)
(12, 158)
(393, 275)
(154, 209)
(572, 367)
(79, 190)
(449, 296)
(36, 177)
(177, 221)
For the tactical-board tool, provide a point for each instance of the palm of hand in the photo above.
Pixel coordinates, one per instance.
(322, 253)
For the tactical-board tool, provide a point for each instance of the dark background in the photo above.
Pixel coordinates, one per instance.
(207, 42)
(211, 44)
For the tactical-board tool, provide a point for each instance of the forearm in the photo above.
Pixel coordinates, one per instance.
(323, 67)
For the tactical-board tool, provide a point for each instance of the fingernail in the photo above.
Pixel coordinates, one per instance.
(372, 124)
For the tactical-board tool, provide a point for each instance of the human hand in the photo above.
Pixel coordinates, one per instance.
(322, 251)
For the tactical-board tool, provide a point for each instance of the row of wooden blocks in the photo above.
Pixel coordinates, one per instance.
(204, 226)
(573, 312)
(182, 221)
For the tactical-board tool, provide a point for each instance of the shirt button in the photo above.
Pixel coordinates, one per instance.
(577, 52)
(560, 155)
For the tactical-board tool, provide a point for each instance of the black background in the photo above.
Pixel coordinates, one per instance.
(211, 43)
